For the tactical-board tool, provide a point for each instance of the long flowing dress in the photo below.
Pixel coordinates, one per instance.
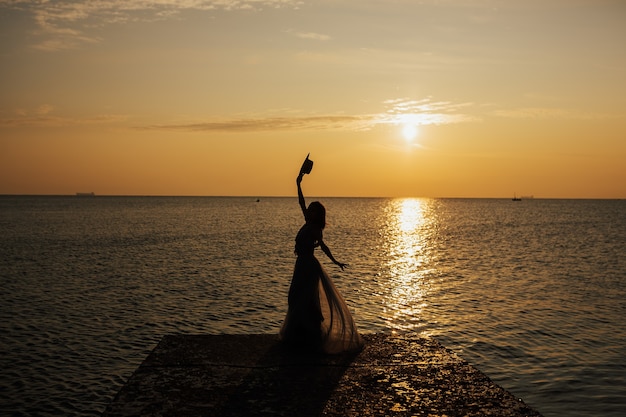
(317, 318)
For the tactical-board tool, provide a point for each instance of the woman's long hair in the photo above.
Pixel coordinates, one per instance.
(316, 214)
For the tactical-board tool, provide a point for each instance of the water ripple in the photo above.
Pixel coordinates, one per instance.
(533, 294)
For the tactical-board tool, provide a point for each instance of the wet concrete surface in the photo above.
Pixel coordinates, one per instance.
(255, 375)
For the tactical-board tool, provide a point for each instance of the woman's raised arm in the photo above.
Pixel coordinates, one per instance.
(300, 195)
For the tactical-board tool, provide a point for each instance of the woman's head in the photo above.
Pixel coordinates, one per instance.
(316, 214)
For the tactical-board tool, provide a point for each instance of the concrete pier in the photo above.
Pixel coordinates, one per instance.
(254, 375)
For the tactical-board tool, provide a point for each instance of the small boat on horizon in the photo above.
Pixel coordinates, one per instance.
(91, 194)
(515, 198)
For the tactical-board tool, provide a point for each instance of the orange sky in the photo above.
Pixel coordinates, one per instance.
(227, 98)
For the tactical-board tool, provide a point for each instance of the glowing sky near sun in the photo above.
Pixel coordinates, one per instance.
(478, 98)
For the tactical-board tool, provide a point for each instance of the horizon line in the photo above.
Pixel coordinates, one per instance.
(88, 195)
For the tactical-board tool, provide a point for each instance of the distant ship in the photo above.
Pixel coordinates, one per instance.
(91, 194)
(515, 198)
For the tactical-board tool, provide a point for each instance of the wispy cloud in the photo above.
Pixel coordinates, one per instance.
(45, 116)
(65, 24)
(424, 112)
(44, 109)
(313, 36)
(551, 113)
(398, 112)
(394, 112)
(325, 122)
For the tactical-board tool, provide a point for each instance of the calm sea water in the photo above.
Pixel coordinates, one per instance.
(533, 293)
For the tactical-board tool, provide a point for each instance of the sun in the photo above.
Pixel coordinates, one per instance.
(409, 131)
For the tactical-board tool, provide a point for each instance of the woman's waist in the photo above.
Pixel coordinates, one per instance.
(304, 250)
(305, 253)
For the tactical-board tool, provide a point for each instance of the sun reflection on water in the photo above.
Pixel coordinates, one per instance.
(407, 230)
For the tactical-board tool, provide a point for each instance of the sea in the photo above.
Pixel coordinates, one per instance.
(531, 292)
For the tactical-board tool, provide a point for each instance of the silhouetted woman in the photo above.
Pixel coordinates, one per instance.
(318, 318)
